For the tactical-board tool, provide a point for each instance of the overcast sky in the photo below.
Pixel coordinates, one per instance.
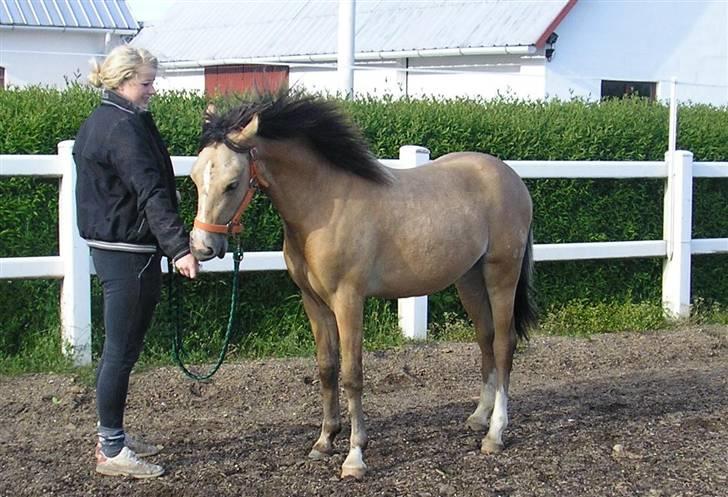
(148, 10)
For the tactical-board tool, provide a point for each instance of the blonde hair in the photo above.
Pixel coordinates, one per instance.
(122, 63)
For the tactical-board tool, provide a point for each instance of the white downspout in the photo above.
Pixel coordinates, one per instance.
(345, 57)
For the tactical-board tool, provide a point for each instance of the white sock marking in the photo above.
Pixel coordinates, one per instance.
(499, 419)
(487, 398)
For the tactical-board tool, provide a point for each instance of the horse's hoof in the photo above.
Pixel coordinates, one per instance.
(475, 424)
(356, 472)
(354, 466)
(490, 447)
(318, 455)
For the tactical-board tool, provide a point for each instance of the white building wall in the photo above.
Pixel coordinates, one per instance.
(635, 40)
(439, 77)
(375, 81)
(643, 40)
(433, 78)
(478, 77)
(50, 56)
(189, 79)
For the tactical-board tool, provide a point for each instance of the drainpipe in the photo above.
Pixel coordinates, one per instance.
(345, 57)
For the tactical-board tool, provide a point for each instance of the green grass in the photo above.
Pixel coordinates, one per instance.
(580, 318)
(453, 328)
(289, 335)
(41, 351)
(709, 312)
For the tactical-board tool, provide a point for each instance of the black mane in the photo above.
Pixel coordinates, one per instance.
(320, 122)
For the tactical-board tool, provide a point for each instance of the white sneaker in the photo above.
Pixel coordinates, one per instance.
(126, 463)
(141, 447)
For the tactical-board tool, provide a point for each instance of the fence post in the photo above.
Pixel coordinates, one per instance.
(677, 233)
(412, 311)
(76, 285)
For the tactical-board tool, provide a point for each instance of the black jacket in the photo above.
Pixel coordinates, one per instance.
(125, 190)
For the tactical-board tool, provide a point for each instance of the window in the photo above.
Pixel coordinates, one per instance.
(622, 89)
(2, 78)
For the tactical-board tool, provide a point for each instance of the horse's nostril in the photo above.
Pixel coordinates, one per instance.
(206, 251)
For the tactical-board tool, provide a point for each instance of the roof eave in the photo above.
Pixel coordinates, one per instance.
(361, 56)
(22, 27)
(541, 42)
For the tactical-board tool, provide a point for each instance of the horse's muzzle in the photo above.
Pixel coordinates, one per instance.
(205, 245)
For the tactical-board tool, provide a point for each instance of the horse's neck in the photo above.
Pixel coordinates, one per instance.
(302, 186)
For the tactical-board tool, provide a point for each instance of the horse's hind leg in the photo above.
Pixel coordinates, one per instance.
(325, 333)
(473, 295)
(501, 278)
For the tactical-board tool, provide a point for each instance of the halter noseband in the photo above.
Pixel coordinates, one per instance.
(234, 226)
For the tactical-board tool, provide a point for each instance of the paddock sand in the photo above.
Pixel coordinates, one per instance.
(614, 415)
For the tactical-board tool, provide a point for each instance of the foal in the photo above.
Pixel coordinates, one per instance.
(354, 228)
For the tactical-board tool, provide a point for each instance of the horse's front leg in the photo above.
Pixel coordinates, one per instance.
(349, 317)
(326, 335)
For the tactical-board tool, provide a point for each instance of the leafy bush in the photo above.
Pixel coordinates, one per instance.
(272, 322)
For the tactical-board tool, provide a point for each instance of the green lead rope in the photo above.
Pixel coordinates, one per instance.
(175, 306)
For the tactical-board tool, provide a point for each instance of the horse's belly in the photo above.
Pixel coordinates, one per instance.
(420, 278)
(426, 256)
(402, 291)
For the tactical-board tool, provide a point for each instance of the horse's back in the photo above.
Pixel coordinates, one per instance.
(482, 164)
(496, 182)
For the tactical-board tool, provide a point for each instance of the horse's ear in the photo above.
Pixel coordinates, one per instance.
(246, 133)
(209, 112)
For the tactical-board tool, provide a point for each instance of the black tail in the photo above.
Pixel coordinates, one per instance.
(525, 313)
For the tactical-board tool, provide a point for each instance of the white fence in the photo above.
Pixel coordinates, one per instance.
(73, 264)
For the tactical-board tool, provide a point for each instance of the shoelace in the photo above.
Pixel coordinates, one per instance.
(135, 459)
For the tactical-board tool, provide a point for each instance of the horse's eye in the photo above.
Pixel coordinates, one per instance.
(232, 186)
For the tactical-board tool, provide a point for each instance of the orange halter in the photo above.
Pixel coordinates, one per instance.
(234, 226)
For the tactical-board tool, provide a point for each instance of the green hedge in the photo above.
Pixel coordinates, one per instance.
(34, 120)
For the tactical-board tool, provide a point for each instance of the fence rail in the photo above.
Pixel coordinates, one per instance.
(73, 264)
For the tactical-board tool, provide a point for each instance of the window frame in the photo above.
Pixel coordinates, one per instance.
(627, 88)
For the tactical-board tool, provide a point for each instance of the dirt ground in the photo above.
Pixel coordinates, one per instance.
(614, 415)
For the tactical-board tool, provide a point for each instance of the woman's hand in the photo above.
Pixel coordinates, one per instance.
(188, 266)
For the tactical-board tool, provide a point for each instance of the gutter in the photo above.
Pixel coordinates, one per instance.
(80, 29)
(361, 56)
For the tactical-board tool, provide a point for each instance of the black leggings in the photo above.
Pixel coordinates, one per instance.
(131, 284)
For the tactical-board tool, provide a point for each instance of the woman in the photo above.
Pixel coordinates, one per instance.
(127, 212)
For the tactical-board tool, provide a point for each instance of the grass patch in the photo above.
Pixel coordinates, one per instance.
(577, 318)
(40, 352)
(288, 334)
(709, 312)
(453, 328)
(580, 318)
(381, 325)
